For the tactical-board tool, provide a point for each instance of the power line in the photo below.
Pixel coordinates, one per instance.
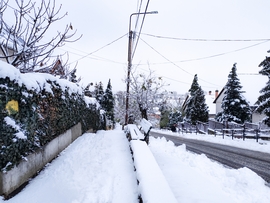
(215, 55)
(139, 10)
(140, 28)
(95, 57)
(175, 64)
(204, 40)
(186, 83)
(98, 49)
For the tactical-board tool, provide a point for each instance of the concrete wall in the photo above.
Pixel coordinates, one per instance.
(13, 179)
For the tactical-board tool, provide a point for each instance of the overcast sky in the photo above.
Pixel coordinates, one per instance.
(166, 44)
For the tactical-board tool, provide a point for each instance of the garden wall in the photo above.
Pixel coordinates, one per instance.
(13, 179)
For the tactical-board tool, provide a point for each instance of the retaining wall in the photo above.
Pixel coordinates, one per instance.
(13, 179)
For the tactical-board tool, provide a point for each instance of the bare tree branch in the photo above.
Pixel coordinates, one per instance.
(23, 44)
(145, 88)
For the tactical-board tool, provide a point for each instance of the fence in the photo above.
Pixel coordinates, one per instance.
(246, 130)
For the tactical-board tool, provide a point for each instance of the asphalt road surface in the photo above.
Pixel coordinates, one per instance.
(229, 156)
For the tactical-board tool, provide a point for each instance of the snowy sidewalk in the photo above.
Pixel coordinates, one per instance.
(96, 168)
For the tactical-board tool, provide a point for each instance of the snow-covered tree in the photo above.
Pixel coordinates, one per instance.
(263, 100)
(120, 108)
(175, 117)
(23, 43)
(196, 108)
(99, 93)
(234, 105)
(73, 78)
(108, 104)
(144, 89)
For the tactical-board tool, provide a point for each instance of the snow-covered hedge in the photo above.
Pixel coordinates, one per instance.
(35, 108)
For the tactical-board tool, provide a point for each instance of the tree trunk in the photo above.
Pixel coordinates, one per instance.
(143, 112)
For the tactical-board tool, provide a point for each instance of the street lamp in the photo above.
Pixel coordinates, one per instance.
(130, 33)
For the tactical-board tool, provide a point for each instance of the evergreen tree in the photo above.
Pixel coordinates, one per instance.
(196, 109)
(164, 119)
(109, 104)
(263, 100)
(234, 105)
(174, 118)
(73, 77)
(99, 94)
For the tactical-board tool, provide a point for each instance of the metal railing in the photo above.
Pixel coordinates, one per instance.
(246, 130)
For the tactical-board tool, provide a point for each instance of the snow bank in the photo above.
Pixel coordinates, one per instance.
(195, 178)
(251, 144)
(152, 184)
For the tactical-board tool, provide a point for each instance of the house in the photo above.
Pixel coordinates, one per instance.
(251, 86)
(209, 100)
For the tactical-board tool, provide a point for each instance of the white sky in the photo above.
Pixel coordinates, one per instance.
(103, 21)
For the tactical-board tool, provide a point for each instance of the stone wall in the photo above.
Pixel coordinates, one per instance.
(13, 179)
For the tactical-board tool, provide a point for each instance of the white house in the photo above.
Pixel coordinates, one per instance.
(251, 86)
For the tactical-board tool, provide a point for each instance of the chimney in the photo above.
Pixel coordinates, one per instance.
(216, 93)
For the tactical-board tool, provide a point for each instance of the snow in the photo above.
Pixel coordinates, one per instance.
(99, 168)
(35, 81)
(95, 168)
(12, 123)
(152, 184)
(39, 81)
(134, 132)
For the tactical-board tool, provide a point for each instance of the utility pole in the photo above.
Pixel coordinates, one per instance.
(128, 73)
(130, 36)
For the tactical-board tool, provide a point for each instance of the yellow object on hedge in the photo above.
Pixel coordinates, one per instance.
(12, 107)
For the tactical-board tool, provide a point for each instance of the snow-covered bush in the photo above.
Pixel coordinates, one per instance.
(46, 107)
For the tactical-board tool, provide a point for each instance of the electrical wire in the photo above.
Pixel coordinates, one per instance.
(140, 29)
(215, 55)
(175, 63)
(98, 49)
(139, 10)
(204, 40)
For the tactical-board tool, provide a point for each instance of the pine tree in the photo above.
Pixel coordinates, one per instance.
(108, 104)
(263, 100)
(196, 109)
(234, 105)
(174, 118)
(164, 115)
(99, 94)
(72, 76)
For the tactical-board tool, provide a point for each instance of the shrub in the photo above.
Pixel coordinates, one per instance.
(46, 109)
